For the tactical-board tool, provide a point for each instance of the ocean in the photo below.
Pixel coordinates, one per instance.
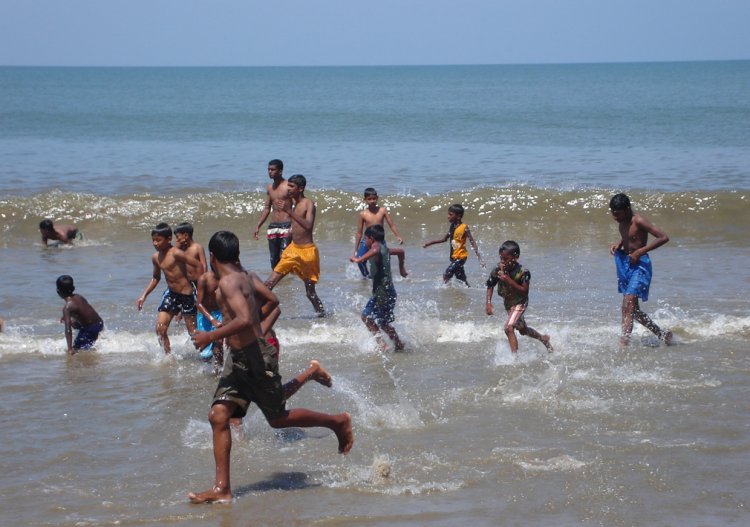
(453, 430)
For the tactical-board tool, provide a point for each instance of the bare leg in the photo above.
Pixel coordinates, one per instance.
(341, 424)
(221, 492)
(189, 323)
(315, 372)
(274, 279)
(544, 339)
(391, 332)
(162, 330)
(629, 305)
(646, 321)
(312, 296)
(510, 332)
(373, 327)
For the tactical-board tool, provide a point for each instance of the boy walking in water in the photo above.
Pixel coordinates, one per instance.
(301, 257)
(280, 229)
(178, 298)
(512, 281)
(458, 233)
(251, 370)
(633, 265)
(378, 313)
(59, 233)
(372, 215)
(78, 313)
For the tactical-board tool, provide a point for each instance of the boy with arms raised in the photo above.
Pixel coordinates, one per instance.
(378, 313)
(78, 313)
(372, 215)
(458, 233)
(512, 281)
(178, 298)
(301, 257)
(279, 232)
(250, 369)
(633, 265)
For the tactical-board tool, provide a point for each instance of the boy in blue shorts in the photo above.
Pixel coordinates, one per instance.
(458, 233)
(512, 281)
(78, 314)
(378, 313)
(633, 265)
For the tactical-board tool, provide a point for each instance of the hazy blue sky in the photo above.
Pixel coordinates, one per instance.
(344, 32)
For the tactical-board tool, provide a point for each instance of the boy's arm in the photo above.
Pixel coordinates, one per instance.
(474, 246)
(263, 215)
(202, 258)
(270, 311)
(151, 284)
(392, 225)
(305, 221)
(237, 303)
(360, 230)
(401, 255)
(438, 240)
(660, 238)
(200, 293)
(192, 261)
(372, 251)
(68, 327)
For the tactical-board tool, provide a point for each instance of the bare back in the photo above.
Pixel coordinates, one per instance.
(236, 298)
(80, 311)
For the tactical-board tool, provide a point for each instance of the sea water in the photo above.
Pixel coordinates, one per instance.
(453, 430)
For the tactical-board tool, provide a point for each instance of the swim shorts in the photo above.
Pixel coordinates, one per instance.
(203, 323)
(456, 268)
(279, 235)
(380, 311)
(174, 303)
(251, 375)
(87, 336)
(633, 279)
(515, 316)
(302, 260)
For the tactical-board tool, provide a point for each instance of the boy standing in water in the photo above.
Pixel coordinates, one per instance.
(372, 215)
(512, 281)
(178, 298)
(78, 313)
(633, 265)
(301, 257)
(251, 370)
(183, 235)
(279, 232)
(60, 233)
(458, 233)
(378, 312)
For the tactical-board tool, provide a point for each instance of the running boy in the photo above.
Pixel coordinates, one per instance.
(633, 265)
(59, 233)
(178, 298)
(378, 312)
(512, 282)
(301, 257)
(78, 313)
(372, 215)
(183, 235)
(250, 370)
(279, 232)
(458, 233)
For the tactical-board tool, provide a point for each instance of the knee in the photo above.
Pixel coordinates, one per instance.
(508, 329)
(218, 415)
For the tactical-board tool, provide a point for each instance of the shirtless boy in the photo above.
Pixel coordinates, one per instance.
(178, 298)
(280, 229)
(78, 313)
(183, 235)
(60, 233)
(250, 370)
(633, 265)
(301, 257)
(372, 215)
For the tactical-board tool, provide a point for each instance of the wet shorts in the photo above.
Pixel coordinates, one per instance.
(251, 375)
(279, 235)
(456, 268)
(302, 260)
(380, 312)
(87, 336)
(515, 316)
(174, 303)
(633, 279)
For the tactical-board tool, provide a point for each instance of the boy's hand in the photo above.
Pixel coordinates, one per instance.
(353, 259)
(489, 309)
(482, 264)
(201, 339)
(139, 303)
(255, 232)
(400, 240)
(613, 248)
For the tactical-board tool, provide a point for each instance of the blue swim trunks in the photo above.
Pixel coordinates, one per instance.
(633, 279)
(202, 323)
(87, 336)
(380, 311)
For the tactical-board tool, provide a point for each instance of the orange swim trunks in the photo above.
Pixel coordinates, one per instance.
(302, 260)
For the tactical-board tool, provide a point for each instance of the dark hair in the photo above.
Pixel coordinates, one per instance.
(511, 247)
(299, 180)
(619, 202)
(376, 232)
(65, 285)
(163, 230)
(46, 224)
(457, 209)
(369, 191)
(225, 246)
(184, 227)
(276, 163)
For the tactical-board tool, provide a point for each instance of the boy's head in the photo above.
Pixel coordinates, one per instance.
(456, 212)
(184, 228)
(509, 251)
(225, 247)
(376, 232)
(161, 237)
(371, 197)
(296, 185)
(163, 230)
(183, 233)
(46, 225)
(65, 286)
(619, 206)
(275, 168)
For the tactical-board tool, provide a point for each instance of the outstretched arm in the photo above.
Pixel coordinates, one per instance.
(155, 277)
(475, 247)
(437, 240)
(392, 225)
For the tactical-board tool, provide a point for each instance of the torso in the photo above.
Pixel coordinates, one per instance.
(175, 273)
(276, 194)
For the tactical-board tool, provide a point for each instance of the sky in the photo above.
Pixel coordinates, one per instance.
(355, 32)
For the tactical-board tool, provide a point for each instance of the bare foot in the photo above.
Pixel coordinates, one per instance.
(344, 434)
(399, 346)
(215, 495)
(667, 337)
(319, 374)
(545, 341)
